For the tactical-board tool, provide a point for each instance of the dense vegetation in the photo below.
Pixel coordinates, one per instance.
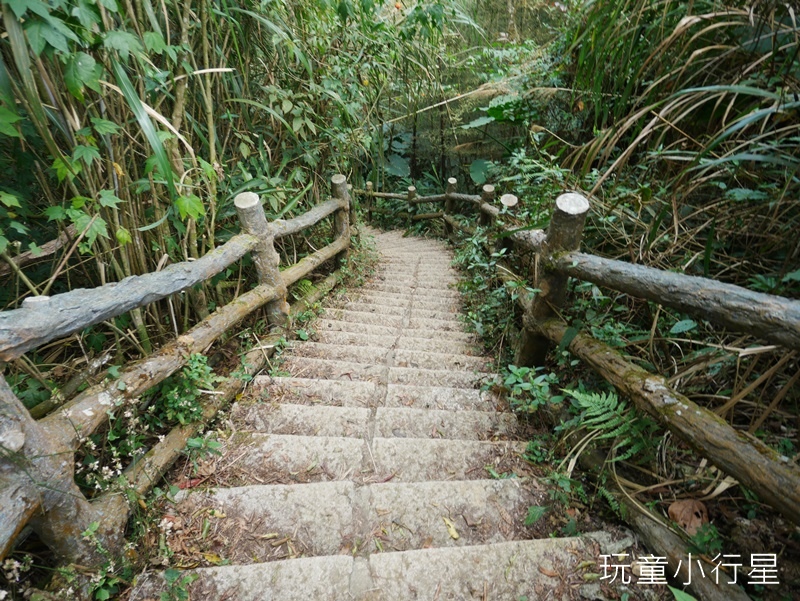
(135, 124)
(680, 122)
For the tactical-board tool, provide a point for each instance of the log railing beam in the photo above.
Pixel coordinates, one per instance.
(775, 479)
(42, 318)
(773, 318)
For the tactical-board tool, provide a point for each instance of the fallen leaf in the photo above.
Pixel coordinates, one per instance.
(547, 572)
(689, 514)
(212, 558)
(190, 483)
(451, 529)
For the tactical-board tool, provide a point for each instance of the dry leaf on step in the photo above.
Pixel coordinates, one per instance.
(689, 515)
(451, 529)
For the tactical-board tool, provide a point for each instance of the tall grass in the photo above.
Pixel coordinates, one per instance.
(702, 95)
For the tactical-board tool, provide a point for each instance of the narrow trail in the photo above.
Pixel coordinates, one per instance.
(365, 474)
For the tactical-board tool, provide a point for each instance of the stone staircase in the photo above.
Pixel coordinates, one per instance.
(371, 472)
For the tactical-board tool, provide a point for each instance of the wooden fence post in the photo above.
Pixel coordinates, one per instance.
(42, 471)
(369, 202)
(449, 205)
(563, 234)
(266, 258)
(487, 196)
(341, 218)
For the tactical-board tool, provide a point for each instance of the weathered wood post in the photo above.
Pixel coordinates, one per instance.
(266, 258)
(369, 202)
(449, 204)
(40, 471)
(563, 234)
(411, 194)
(487, 196)
(341, 218)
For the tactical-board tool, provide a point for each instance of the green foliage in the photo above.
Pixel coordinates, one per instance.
(680, 595)
(527, 391)
(490, 305)
(538, 450)
(707, 540)
(612, 419)
(177, 583)
(200, 448)
(535, 513)
(180, 395)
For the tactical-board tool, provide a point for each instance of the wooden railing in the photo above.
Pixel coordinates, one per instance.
(37, 457)
(773, 318)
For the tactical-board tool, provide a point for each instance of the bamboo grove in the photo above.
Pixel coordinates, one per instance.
(135, 124)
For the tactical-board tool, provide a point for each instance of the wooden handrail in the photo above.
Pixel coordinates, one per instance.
(42, 319)
(46, 448)
(771, 317)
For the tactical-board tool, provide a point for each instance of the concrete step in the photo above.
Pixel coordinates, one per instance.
(405, 422)
(325, 324)
(409, 300)
(339, 352)
(304, 420)
(351, 338)
(243, 523)
(440, 314)
(426, 360)
(377, 308)
(505, 571)
(305, 391)
(444, 335)
(443, 293)
(364, 317)
(435, 325)
(437, 377)
(390, 516)
(330, 369)
(286, 459)
(418, 459)
(411, 515)
(433, 345)
(438, 397)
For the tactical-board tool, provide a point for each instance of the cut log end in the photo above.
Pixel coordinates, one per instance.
(246, 200)
(509, 200)
(33, 302)
(338, 179)
(572, 203)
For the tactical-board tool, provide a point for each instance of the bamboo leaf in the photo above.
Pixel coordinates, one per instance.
(147, 126)
(123, 42)
(190, 205)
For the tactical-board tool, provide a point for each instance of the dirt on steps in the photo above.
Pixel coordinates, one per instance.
(373, 467)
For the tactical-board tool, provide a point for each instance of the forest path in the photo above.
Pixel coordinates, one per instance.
(366, 471)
